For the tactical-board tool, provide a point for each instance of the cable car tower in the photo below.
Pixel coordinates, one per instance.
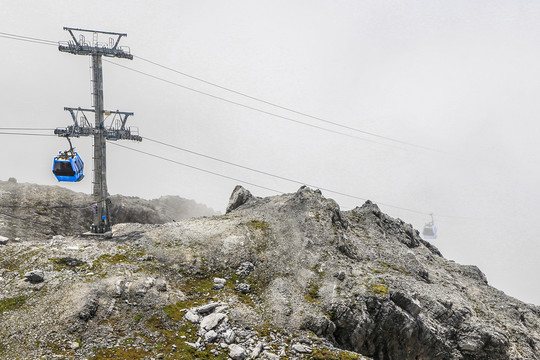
(117, 130)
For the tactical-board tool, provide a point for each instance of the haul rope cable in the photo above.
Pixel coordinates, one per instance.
(264, 187)
(254, 108)
(286, 108)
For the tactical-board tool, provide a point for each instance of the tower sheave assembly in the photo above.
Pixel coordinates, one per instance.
(116, 130)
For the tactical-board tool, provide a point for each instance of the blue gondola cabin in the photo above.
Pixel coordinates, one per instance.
(68, 166)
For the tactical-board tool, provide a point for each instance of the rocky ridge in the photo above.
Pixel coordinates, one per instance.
(289, 276)
(29, 210)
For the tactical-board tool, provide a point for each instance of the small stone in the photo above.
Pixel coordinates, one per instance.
(3, 240)
(161, 285)
(257, 350)
(243, 288)
(210, 336)
(245, 269)
(237, 352)
(229, 336)
(221, 309)
(208, 308)
(340, 275)
(270, 356)
(89, 309)
(192, 317)
(219, 283)
(74, 345)
(211, 321)
(303, 349)
(34, 276)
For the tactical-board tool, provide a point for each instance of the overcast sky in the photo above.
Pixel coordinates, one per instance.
(460, 77)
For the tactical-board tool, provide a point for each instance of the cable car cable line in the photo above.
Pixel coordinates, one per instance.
(194, 167)
(27, 134)
(32, 41)
(29, 129)
(28, 38)
(247, 106)
(265, 173)
(287, 108)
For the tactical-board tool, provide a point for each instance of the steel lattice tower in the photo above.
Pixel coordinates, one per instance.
(101, 132)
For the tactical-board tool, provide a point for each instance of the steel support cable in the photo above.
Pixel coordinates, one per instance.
(50, 42)
(250, 107)
(27, 134)
(258, 171)
(28, 38)
(194, 167)
(47, 206)
(252, 169)
(289, 109)
(26, 129)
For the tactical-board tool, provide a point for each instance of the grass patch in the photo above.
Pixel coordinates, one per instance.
(325, 354)
(312, 294)
(378, 289)
(261, 230)
(12, 303)
(395, 267)
(256, 225)
(121, 353)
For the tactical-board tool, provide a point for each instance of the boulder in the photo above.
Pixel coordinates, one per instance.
(239, 197)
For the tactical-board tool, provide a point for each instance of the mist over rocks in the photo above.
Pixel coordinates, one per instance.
(30, 210)
(323, 284)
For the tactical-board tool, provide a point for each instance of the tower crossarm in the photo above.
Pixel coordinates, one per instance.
(79, 46)
(83, 127)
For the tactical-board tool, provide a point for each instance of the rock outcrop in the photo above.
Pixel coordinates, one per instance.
(289, 276)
